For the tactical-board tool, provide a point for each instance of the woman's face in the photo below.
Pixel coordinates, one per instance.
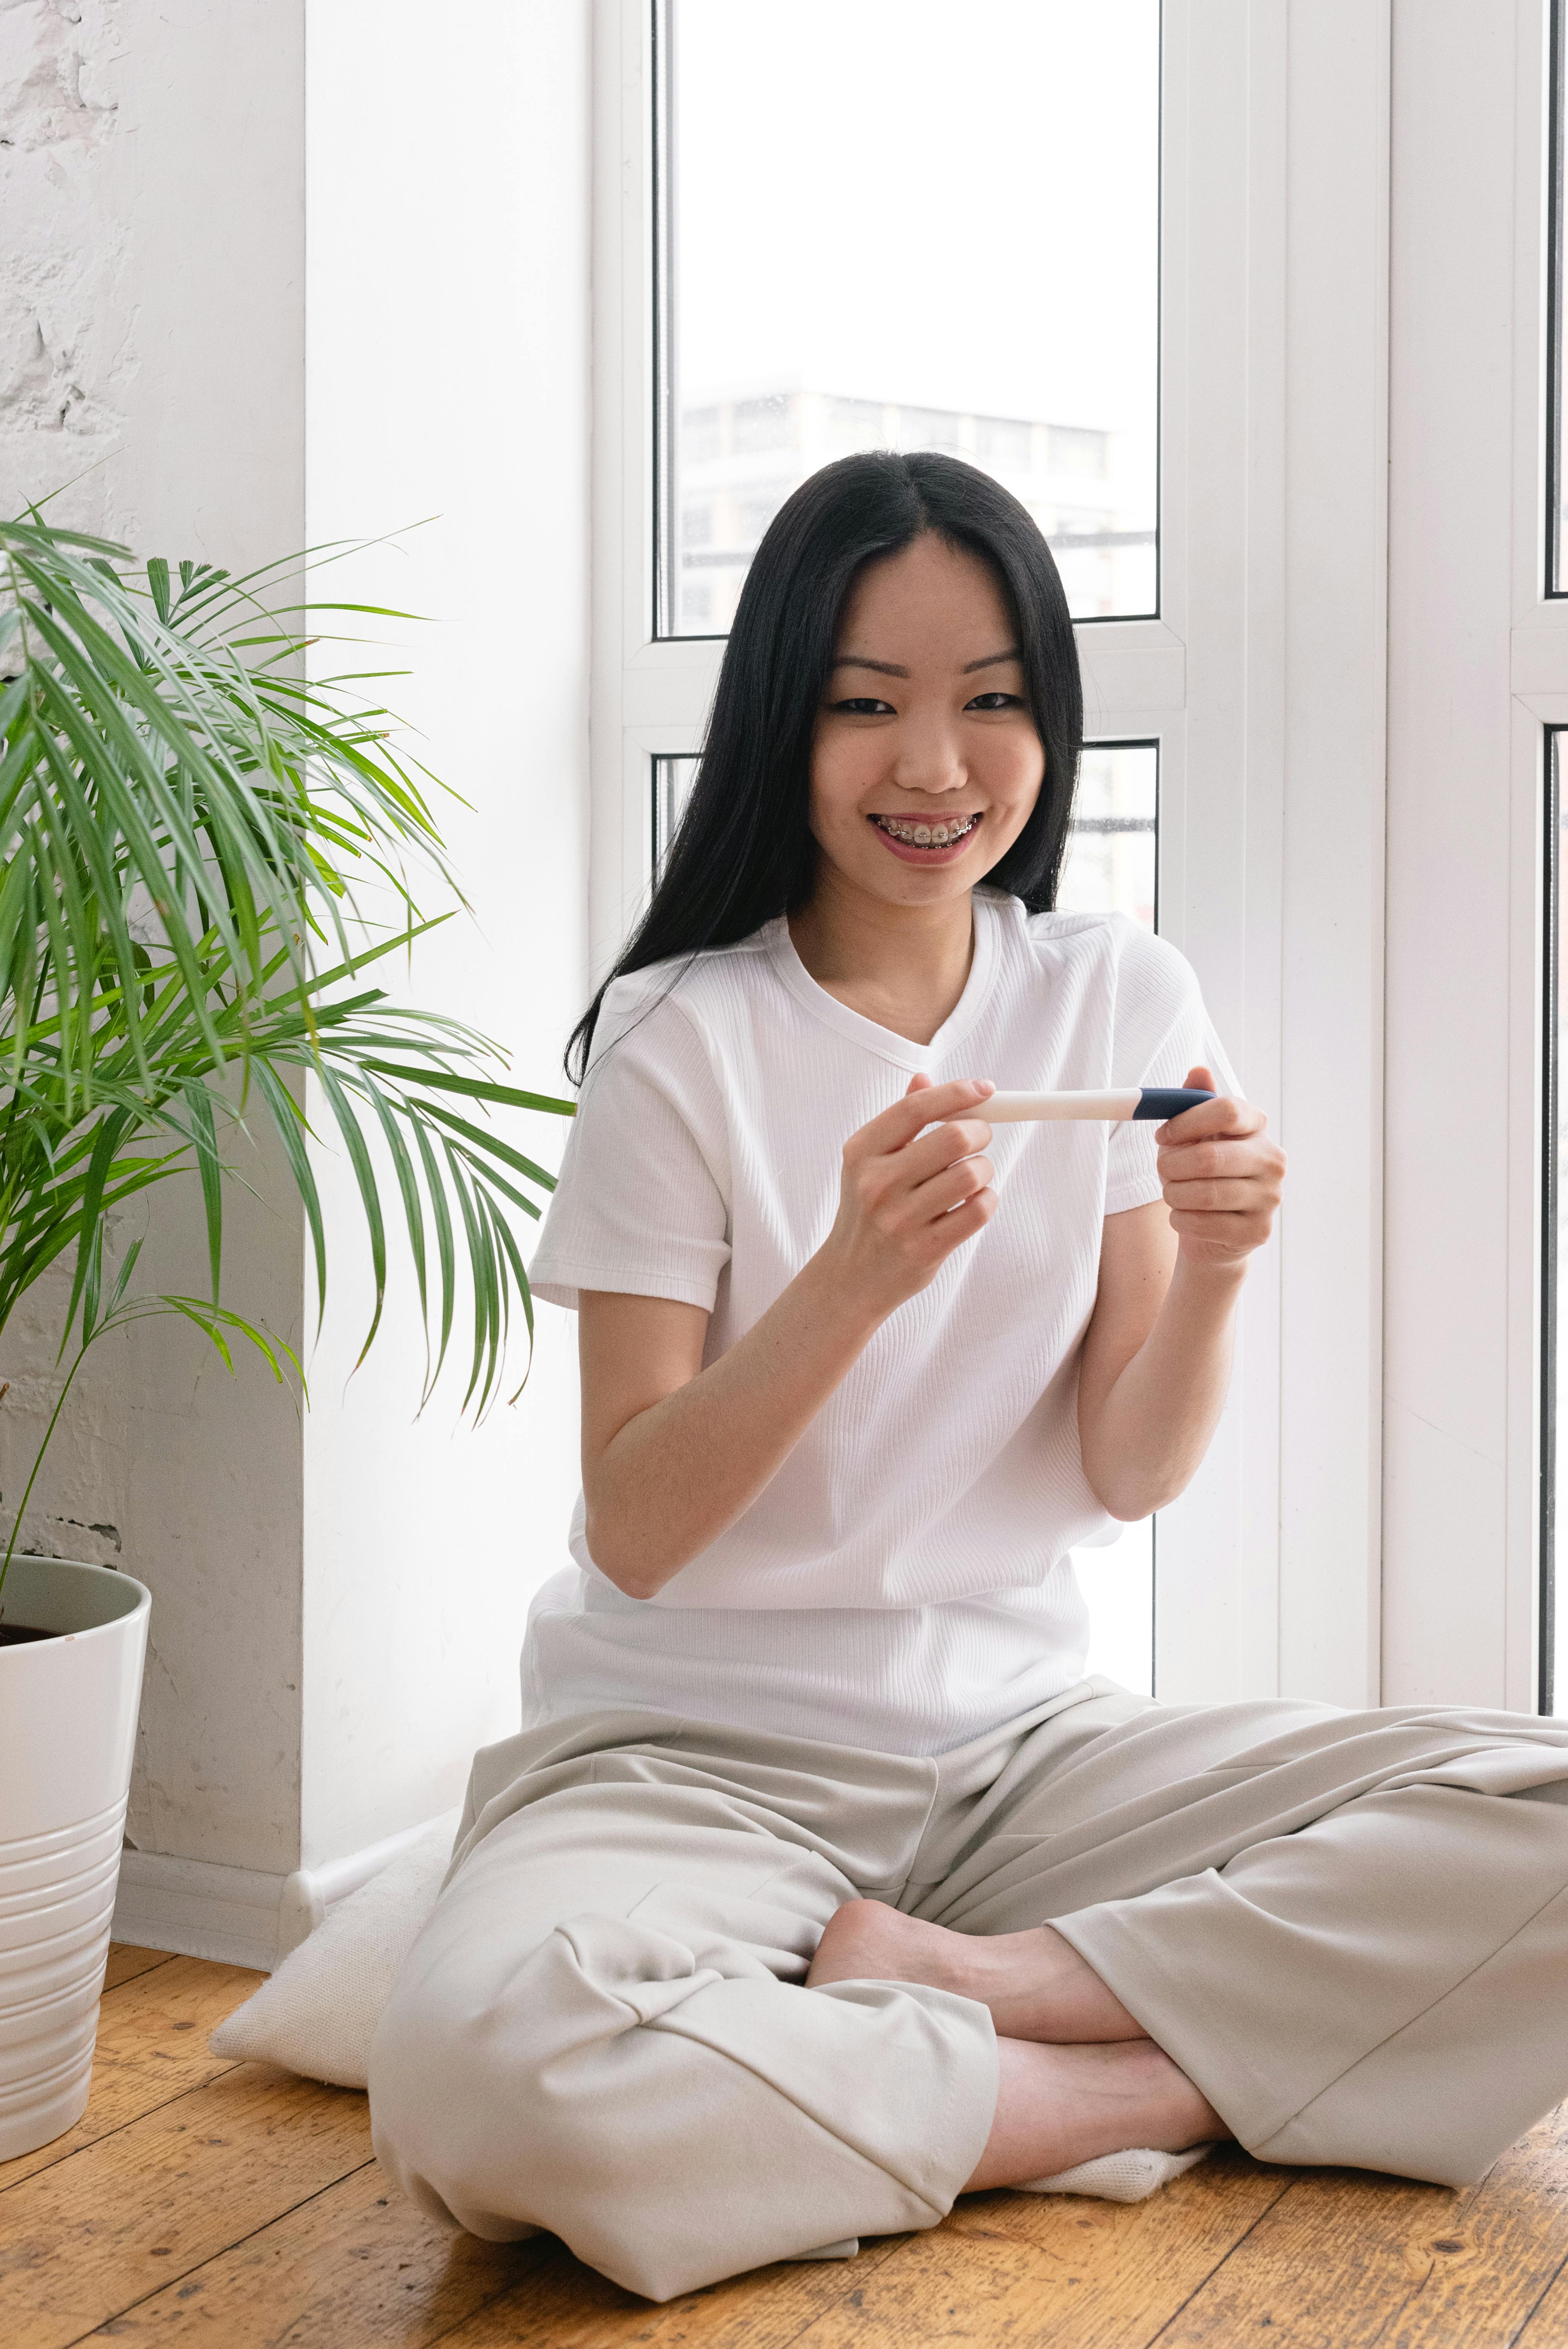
(926, 762)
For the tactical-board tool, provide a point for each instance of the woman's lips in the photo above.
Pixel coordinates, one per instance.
(912, 852)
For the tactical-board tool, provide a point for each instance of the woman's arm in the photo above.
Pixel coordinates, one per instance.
(1157, 1354)
(672, 1453)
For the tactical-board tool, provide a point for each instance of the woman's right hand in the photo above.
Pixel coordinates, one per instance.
(673, 1451)
(916, 1185)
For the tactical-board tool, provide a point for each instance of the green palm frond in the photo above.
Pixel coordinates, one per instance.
(190, 831)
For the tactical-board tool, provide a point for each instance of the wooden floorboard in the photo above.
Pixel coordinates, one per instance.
(1005, 2269)
(151, 2046)
(1354, 2259)
(83, 2240)
(236, 2207)
(353, 2268)
(125, 1961)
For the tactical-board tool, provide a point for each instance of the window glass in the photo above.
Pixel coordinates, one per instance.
(1111, 867)
(671, 779)
(862, 249)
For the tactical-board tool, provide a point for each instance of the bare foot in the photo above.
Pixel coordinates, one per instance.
(1057, 2107)
(1035, 1984)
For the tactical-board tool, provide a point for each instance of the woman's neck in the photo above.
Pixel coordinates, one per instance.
(904, 966)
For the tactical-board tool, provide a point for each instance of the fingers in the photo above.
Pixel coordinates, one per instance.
(1229, 1159)
(926, 1157)
(1211, 1157)
(917, 1183)
(1237, 1197)
(1222, 1176)
(1254, 1160)
(891, 1163)
(945, 1212)
(932, 1175)
(924, 1104)
(953, 1187)
(1224, 1116)
(951, 1231)
(1222, 1173)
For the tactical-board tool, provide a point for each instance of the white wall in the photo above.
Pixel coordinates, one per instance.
(338, 1606)
(151, 352)
(447, 376)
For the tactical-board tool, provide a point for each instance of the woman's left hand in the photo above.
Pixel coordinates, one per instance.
(1221, 1176)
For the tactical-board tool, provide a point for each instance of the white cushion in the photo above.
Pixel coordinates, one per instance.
(1114, 2178)
(318, 2014)
(1120, 2177)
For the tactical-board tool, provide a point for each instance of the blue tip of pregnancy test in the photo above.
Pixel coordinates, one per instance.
(1169, 1100)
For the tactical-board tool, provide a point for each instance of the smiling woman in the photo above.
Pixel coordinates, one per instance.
(923, 737)
(810, 1712)
(744, 851)
(919, 789)
(953, 590)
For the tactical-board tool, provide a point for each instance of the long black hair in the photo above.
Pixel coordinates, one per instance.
(743, 852)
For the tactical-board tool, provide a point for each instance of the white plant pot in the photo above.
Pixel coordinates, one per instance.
(68, 1732)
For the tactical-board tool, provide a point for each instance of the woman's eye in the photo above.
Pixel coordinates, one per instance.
(996, 701)
(864, 705)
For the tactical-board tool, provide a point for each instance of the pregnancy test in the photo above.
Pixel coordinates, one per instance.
(1138, 1101)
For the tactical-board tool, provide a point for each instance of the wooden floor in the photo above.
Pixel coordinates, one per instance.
(232, 2205)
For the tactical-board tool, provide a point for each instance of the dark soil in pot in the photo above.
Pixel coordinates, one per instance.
(17, 1635)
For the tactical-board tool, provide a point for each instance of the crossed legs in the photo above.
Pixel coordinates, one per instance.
(1078, 2077)
(1348, 1934)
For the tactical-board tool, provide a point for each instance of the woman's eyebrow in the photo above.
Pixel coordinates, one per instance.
(891, 668)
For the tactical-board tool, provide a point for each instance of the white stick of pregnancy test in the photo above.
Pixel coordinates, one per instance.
(1141, 1101)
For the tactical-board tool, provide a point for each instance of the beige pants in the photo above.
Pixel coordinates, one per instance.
(1337, 1924)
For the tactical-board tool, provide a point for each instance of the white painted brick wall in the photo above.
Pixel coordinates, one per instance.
(160, 390)
(335, 1611)
(67, 358)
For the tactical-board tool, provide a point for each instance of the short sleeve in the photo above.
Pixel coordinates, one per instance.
(641, 1202)
(1162, 1028)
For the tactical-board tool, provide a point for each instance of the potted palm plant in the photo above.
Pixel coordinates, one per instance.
(204, 853)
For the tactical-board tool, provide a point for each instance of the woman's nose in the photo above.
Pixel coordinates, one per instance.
(929, 759)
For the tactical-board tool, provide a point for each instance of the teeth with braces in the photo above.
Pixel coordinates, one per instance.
(926, 835)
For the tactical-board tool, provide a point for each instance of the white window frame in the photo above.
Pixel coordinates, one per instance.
(1274, 340)
(1478, 671)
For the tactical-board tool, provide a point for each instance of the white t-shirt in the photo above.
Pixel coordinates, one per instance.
(904, 1580)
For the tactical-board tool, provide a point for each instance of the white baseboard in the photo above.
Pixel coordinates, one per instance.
(309, 1892)
(196, 1909)
(239, 1916)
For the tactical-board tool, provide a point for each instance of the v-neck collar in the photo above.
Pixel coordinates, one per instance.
(902, 1051)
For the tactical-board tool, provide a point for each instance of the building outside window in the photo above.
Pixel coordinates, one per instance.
(803, 258)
